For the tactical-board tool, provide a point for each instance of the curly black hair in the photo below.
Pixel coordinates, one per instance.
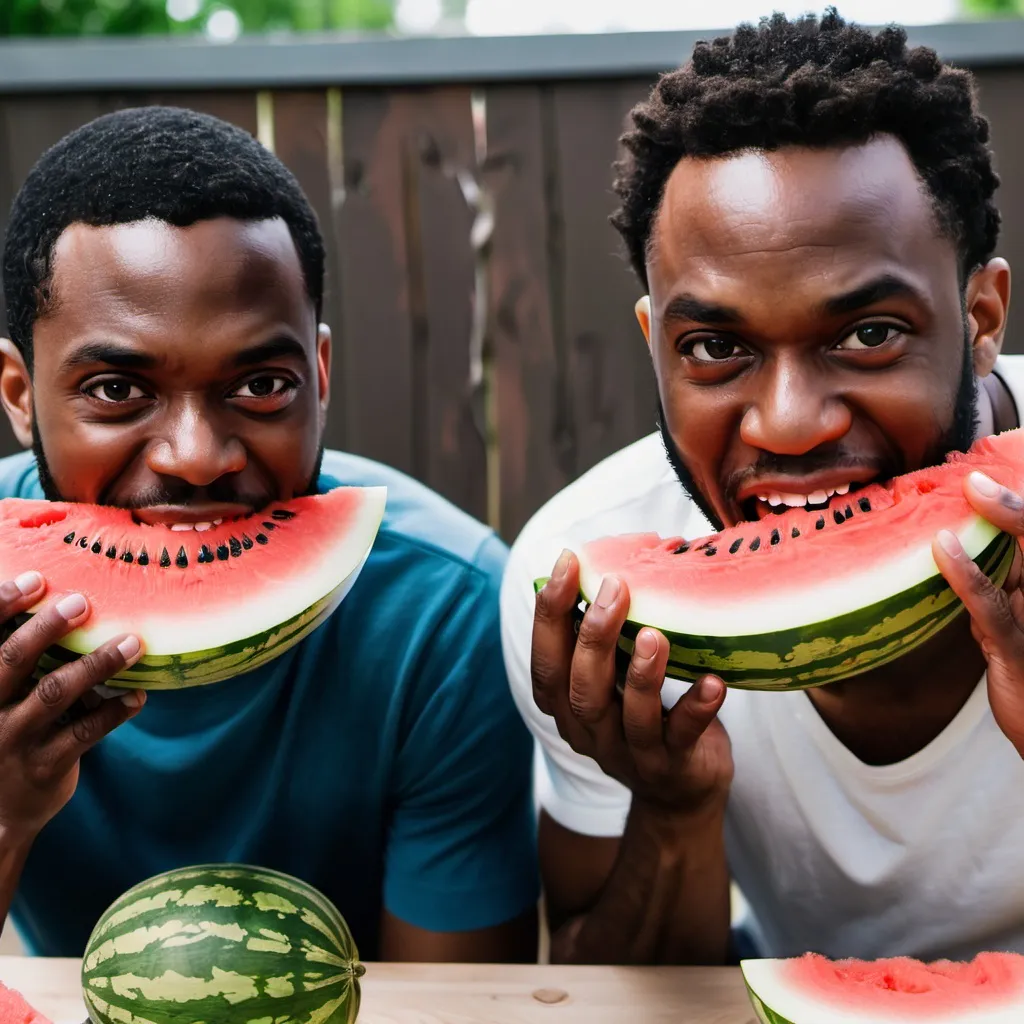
(818, 83)
(168, 163)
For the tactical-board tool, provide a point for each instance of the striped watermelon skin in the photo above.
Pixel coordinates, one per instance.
(221, 944)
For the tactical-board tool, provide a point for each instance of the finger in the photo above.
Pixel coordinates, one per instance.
(592, 679)
(21, 651)
(694, 712)
(643, 716)
(73, 740)
(554, 636)
(999, 505)
(987, 604)
(57, 691)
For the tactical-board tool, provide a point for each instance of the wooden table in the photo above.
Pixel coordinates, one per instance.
(475, 994)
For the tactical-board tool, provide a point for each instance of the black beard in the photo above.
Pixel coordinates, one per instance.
(169, 495)
(958, 438)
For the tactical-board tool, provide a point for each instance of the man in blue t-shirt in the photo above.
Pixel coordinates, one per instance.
(163, 275)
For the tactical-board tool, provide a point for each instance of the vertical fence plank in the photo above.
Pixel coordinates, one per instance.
(613, 392)
(535, 445)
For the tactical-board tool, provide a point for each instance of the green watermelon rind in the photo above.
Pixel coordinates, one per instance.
(765, 1014)
(822, 652)
(293, 958)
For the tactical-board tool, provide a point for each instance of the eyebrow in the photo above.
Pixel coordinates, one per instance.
(267, 350)
(126, 358)
(689, 307)
(884, 287)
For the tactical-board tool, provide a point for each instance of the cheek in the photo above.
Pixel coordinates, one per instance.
(704, 424)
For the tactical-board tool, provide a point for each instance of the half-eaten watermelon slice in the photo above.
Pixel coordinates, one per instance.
(813, 990)
(14, 1009)
(808, 597)
(207, 605)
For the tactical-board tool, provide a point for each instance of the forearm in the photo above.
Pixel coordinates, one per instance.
(13, 854)
(666, 900)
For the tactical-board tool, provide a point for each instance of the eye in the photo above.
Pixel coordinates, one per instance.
(114, 391)
(264, 387)
(713, 350)
(868, 336)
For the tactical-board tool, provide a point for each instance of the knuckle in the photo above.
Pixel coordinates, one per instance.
(50, 690)
(12, 652)
(592, 636)
(86, 729)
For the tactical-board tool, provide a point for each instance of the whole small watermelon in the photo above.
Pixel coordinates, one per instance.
(221, 944)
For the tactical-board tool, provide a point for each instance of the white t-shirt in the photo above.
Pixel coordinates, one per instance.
(921, 858)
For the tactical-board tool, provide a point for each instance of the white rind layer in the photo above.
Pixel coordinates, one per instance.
(765, 979)
(760, 613)
(182, 632)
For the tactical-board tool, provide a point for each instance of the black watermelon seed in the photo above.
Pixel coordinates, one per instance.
(246, 541)
(182, 560)
(755, 543)
(682, 549)
(70, 537)
(282, 513)
(143, 558)
(222, 552)
(261, 538)
(838, 516)
(270, 526)
(865, 505)
(796, 532)
(205, 554)
(775, 537)
(165, 559)
(820, 523)
(849, 512)
(83, 542)
(710, 550)
(96, 547)
(236, 548)
(735, 546)
(129, 557)
(111, 552)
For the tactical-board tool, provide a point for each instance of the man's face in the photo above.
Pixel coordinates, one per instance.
(177, 371)
(807, 325)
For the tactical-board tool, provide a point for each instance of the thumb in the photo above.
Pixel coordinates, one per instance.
(694, 712)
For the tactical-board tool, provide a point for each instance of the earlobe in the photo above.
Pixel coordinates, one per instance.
(988, 302)
(16, 391)
(643, 316)
(323, 369)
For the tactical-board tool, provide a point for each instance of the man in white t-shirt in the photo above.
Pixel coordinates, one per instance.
(809, 208)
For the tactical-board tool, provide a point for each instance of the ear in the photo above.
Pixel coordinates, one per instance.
(988, 302)
(323, 369)
(16, 391)
(643, 315)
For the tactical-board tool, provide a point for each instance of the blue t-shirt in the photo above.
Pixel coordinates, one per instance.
(381, 759)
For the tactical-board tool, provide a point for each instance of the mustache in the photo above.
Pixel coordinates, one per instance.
(773, 464)
(174, 493)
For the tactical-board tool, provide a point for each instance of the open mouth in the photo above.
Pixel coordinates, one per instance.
(774, 503)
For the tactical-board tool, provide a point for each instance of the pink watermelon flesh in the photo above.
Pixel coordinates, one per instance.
(15, 1010)
(901, 988)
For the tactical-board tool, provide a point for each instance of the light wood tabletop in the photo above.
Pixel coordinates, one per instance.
(474, 994)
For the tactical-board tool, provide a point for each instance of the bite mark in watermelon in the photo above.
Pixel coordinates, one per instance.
(14, 1009)
(207, 605)
(808, 597)
(814, 990)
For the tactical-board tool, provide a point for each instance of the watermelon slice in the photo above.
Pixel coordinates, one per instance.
(813, 990)
(208, 605)
(808, 597)
(15, 1010)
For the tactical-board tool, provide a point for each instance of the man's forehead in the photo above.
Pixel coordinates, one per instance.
(739, 208)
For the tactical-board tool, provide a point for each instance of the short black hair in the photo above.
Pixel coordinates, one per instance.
(817, 83)
(168, 163)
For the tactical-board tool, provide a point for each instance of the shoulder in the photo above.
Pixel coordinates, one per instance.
(19, 476)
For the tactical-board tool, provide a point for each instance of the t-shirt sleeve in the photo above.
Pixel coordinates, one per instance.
(462, 850)
(570, 787)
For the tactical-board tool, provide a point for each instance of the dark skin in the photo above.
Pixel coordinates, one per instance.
(806, 329)
(180, 372)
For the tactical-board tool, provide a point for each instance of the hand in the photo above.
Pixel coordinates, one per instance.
(997, 614)
(679, 761)
(45, 727)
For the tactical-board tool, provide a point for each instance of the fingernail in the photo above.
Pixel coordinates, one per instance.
(708, 690)
(561, 566)
(129, 648)
(608, 592)
(72, 606)
(134, 698)
(646, 645)
(984, 484)
(28, 582)
(950, 543)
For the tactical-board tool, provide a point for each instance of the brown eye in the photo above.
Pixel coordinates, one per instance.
(868, 336)
(114, 391)
(263, 387)
(710, 350)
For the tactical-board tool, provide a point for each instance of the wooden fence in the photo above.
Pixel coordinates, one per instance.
(480, 302)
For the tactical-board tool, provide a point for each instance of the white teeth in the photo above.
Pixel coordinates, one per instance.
(843, 490)
(200, 527)
(182, 526)
(774, 499)
(762, 497)
(217, 522)
(794, 500)
(817, 497)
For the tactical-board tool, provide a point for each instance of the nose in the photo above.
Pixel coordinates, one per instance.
(193, 450)
(794, 411)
